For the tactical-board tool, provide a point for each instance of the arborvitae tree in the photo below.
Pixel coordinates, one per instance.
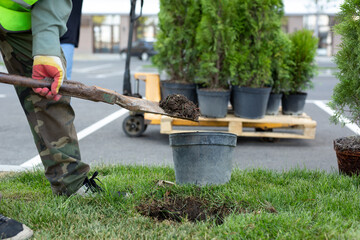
(303, 66)
(280, 62)
(346, 95)
(177, 54)
(255, 24)
(215, 41)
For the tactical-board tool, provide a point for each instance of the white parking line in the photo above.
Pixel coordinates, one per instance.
(11, 168)
(2, 96)
(82, 134)
(322, 104)
(111, 74)
(103, 122)
(93, 68)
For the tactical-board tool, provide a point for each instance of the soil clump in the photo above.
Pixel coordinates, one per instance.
(178, 105)
(190, 208)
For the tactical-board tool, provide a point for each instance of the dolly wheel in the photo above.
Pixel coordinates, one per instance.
(144, 56)
(134, 126)
(123, 55)
(267, 139)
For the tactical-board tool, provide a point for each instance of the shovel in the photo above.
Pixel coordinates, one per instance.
(92, 93)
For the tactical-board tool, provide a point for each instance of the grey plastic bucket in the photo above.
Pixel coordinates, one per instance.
(202, 158)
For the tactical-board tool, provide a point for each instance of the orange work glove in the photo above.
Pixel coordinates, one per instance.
(48, 66)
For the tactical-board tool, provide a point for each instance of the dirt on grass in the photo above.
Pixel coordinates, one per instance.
(178, 105)
(191, 208)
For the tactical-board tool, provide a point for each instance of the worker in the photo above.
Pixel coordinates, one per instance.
(30, 32)
(70, 40)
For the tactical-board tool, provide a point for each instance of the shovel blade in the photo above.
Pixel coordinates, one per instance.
(143, 105)
(138, 104)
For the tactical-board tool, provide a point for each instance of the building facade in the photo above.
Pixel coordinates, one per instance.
(105, 28)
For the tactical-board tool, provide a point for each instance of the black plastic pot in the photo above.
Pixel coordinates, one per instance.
(188, 90)
(293, 104)
(273, 104)
(213, 104)
(202, 158)
(250, 102)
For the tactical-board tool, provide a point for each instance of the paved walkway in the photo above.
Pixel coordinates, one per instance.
(324, 61)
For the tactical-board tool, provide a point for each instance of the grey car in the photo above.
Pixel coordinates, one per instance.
(140, 48)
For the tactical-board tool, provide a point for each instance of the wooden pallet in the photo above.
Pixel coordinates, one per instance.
(278, 126)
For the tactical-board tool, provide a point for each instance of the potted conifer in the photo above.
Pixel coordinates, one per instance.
(280, 65)
(177, 54)
(302, 69)
(214, 41)
(345, 98)
(255, 25)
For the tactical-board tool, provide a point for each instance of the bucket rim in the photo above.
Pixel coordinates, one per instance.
(203, 138)
(207, 133)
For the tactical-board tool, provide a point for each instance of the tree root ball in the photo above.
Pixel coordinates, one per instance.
(178, 105)
(351, 143)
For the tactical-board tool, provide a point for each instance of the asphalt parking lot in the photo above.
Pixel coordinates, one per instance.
(102, 140)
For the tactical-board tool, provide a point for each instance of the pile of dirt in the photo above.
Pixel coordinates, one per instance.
(191, 208)
(178, 105)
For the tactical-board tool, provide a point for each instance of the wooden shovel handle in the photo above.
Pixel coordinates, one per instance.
(68, 88)
(92, 93)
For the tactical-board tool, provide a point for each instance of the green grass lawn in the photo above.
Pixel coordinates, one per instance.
(255, 204)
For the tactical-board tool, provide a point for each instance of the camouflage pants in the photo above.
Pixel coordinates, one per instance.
(51, 122)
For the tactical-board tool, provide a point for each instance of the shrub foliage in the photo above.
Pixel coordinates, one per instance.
(177, 54)
(214, 41)
(302, 56)
(346, 95)
(280, 64)
(256, 24)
